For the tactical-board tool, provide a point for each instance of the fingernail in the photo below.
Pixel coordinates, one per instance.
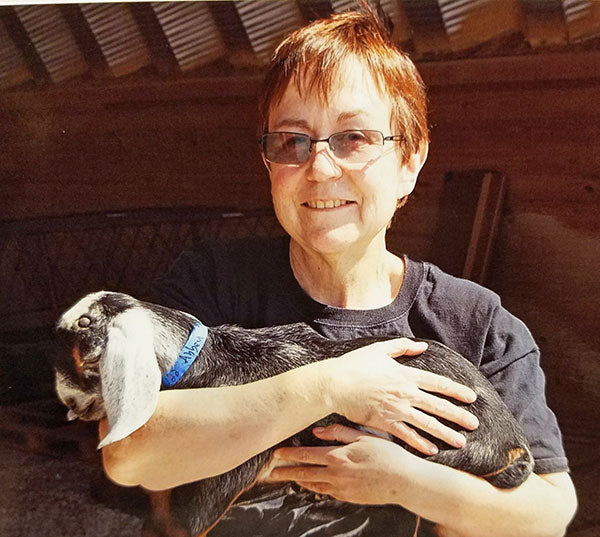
(318, 430)
(459, 441)
(432, 450)
(473, 423)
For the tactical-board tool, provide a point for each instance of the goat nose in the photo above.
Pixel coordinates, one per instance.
(72, 406)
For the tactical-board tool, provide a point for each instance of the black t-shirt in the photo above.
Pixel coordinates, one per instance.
(250, 283)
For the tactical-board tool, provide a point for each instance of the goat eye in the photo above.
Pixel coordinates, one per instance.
(91, 359)
(84, 322)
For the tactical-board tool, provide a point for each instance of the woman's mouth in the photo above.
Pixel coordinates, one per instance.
(326, 204)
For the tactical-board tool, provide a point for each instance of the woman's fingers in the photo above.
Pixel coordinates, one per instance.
(442, 408)
(427, 380)
(422, 412)
(429, 424)
(304, 455)
(406, 421)
(432, 382)
(314, 467)
(318, 455)
(339, 433)
(400, 399)
(402, 346)
(300, 473)
(412, 438)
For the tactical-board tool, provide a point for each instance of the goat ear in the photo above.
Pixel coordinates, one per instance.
(130, 375)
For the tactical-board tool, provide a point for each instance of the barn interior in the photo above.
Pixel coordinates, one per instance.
(128, 130)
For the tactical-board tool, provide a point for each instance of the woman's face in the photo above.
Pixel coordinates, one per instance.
(325, 204)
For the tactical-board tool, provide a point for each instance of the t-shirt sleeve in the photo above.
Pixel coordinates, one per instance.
(471, 320)
(511, 361)
(229, 282)
(192, 284)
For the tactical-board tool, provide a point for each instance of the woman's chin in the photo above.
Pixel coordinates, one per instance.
(329, 242)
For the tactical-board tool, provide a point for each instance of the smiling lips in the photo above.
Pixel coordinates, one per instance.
(326, 204)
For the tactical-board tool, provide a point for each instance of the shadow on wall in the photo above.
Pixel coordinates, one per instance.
(555, 290)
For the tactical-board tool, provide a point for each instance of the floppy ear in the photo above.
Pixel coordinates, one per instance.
(130, 374)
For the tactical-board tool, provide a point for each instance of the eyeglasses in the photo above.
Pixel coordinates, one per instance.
(355, 146)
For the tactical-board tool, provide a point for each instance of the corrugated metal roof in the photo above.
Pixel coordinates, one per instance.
(13, 68)
(40, 45)
(53, 41)
(118, 36)
(191, 32)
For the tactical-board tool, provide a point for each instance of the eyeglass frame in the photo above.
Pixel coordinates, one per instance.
(313, 141)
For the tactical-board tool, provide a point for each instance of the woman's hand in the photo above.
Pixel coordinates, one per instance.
(360, 471)
(369, 387)
(371, 470)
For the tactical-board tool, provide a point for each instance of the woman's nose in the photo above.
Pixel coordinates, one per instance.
(322, 164)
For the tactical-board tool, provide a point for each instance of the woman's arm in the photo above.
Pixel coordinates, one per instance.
(199, 433)
(371, 470)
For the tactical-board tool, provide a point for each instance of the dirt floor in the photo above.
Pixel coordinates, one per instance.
(44, 496)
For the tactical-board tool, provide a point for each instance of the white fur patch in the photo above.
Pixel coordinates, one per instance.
(130, 374)
(80, 308)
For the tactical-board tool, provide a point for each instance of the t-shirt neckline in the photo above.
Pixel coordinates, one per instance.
(332, 315)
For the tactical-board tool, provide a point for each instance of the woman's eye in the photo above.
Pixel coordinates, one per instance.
(293, 141)
(352, 140)
(356, 136)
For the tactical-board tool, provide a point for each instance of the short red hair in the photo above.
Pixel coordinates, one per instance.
(315, 56)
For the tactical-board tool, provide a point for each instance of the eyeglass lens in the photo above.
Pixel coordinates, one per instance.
(350, 146)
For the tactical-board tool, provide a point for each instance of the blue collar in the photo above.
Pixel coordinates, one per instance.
(186, 357)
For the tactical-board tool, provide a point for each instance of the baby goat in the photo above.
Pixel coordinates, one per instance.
(115, 353)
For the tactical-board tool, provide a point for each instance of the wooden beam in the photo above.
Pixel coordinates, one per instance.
(534, 68)
(468, 219)
(85, 39)
(163, 58)
(484, 22)
(315, 9)
(19, 35)
(119, 37)
(486, 221)
(14, 70)
(538, 69)
(429, 32)
(231, 28)
(402, 32)
(583, 23)
(546, 25)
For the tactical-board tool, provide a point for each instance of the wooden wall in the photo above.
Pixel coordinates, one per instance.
(187, 143)
(103, 149)
(537, 120)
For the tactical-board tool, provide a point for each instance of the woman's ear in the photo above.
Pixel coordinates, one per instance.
(410, 170)
(266, 162)
(417, 160)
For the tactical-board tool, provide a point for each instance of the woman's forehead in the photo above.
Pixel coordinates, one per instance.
(352, 93)
(350, 74)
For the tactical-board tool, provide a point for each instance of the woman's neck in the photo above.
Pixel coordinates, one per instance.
(368, 279)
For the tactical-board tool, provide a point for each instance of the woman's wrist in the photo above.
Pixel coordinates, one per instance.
(326, 387)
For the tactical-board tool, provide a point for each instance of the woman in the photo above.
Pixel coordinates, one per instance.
(345, 137)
